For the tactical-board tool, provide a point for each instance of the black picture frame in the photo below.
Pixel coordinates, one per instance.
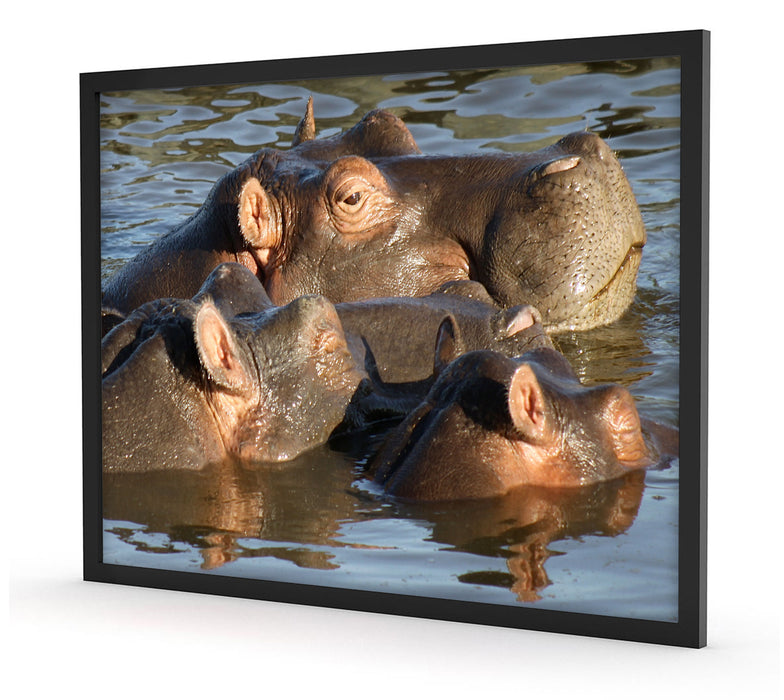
(693, 49)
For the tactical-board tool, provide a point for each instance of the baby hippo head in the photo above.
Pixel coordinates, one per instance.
(491, 423)
(278, 381)
(188, 382)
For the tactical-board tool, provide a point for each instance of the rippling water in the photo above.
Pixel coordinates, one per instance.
(610, 549)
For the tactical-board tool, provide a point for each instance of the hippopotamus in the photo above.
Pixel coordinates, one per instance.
(558, 229)
(187, 382)
(398, 333)
(351, 219)
(491, 423)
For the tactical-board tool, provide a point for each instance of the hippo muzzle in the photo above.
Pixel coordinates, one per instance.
(568, 237)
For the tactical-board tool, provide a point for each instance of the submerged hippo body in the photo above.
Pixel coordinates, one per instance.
(186, 382)
(365, 215)
(492, 423)
(399, 332)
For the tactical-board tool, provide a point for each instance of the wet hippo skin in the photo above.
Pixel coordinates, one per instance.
(400, 332)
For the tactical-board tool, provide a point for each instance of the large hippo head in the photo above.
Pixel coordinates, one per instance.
(491, 423)
(186, 383)
(363, 214)
(558, 228)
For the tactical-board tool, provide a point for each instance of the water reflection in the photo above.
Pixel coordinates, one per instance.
(232, 510)
(520, 526)
(301, 502)
(614, 353)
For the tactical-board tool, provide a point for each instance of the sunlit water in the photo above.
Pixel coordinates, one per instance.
(611, 549)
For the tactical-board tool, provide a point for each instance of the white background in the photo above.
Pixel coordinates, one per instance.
(110, 641)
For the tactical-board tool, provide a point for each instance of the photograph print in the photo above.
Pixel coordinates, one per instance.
(413, 335)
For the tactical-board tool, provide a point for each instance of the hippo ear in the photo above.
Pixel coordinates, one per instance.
(218, 350)
(527, 405)
(258, 220)
(448, 342)
(306, 129)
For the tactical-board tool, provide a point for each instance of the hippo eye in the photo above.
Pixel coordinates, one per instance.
(357, 196)
(352, 194)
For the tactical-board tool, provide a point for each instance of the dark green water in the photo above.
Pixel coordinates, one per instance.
(611, 549)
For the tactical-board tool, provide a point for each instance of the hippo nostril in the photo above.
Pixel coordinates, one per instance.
(515, 320)
(521, 320)
(559, 165)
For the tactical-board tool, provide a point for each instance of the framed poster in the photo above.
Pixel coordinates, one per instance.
(421, 333)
